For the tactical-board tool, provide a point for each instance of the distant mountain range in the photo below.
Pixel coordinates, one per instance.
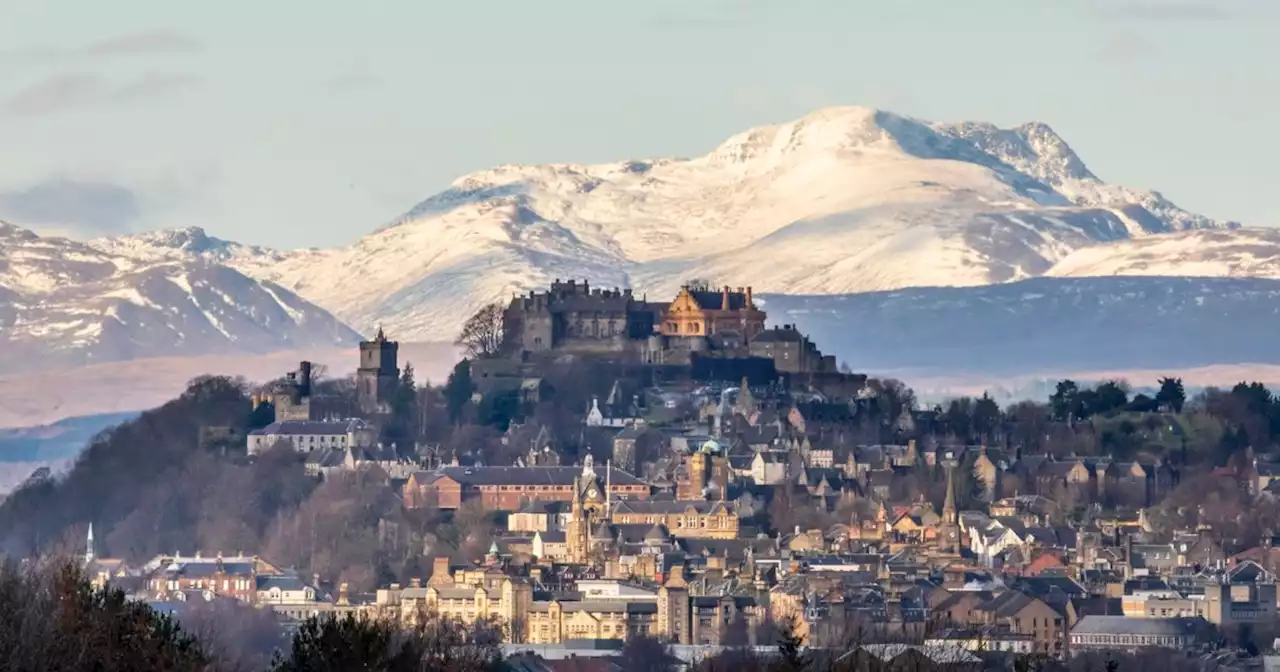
(65, 304)
(841, 202)
(1045, 325)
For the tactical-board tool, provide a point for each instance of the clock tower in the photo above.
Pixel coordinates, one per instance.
(585, 510)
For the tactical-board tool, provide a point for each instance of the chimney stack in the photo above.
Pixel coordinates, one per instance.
(750, 303)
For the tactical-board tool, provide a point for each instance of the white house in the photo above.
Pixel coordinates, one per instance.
(310, 435)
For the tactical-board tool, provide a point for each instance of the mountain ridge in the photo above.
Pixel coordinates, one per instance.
(845, 199)
(65, 304)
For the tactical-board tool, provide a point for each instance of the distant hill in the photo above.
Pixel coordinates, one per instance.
(1046, 325)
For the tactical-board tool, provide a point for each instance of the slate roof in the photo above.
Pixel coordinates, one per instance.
(524, 475)
(1123, 625)
(309, 428)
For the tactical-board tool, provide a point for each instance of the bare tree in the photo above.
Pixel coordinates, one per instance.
(482, 335)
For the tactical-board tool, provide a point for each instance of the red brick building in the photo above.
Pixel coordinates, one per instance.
(507, 488)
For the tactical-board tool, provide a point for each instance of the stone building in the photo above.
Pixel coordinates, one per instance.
(573, 316)
(704, 312)
(791, 351)
(378, 375)
(510, 488)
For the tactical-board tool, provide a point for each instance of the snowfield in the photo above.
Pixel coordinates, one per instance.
(64, 304)
(840, 201)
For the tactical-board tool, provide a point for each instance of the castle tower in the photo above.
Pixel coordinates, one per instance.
(378, 374)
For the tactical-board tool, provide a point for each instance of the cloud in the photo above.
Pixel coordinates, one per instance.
(74, 90)
(148, 42)
(92, 208)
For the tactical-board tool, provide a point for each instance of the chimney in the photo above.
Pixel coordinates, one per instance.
(415, 582)
(440, 569)
(724, 299)
(343, 596)
(750, 303)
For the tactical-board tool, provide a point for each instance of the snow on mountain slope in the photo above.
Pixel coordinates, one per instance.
(842, 200)
(1044, 325)
(1251, 253)
(64, 303)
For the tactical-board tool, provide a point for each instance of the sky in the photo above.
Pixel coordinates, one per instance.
(304, 124)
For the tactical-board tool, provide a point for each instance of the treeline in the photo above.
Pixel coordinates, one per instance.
(1108, 418)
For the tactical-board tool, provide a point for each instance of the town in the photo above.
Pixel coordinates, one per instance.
(604, 468)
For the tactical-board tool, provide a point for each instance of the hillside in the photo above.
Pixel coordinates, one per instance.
(1242, 253)
(65, 304)
(1045, 325)
(842, 200)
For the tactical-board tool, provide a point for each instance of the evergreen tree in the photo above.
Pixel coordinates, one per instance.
(791, 653)
(1171, 394)
(1065, 401)
(986, 416)
(458, 389)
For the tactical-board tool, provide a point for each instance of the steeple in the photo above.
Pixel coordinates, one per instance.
(88, 548)
(949, 514)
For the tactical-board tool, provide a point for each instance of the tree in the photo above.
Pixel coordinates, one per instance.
(434, 644)
(1171, 394)
(791, 654)
(51, 619)
(458, 389)
(1065, 400)
(643, 653)
(482, 334)
(986, 416)
(1109, 397)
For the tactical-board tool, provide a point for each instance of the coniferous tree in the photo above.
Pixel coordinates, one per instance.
(457, 391)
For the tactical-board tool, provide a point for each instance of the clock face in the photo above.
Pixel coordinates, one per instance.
(592, 492)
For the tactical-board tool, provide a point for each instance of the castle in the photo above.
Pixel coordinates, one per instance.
(573, 317)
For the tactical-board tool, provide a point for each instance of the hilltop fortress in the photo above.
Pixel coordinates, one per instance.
(572, 317)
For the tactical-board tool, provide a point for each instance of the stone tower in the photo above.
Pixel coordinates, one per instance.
(378, 374)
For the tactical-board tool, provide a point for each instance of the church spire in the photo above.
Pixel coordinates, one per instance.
(949, 513)
(88, 548)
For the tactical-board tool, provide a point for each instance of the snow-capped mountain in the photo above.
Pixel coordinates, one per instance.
(1045, 325)
(1243, 253)
(842, 200)
(64, 303)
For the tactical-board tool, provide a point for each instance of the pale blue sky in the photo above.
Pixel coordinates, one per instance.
(294, 124)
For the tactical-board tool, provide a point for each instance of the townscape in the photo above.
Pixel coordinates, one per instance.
(604, 468)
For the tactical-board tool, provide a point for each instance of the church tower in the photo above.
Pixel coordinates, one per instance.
(949, 530)
(378, 374)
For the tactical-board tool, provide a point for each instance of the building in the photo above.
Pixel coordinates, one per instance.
(307, 436)
(509, 488)
(378, 375)
(290, 398)
(170, 577)
(573, 316)
(465, 596)
(702, 312)
(1119, 633)
(791, 351)
(693, 519)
